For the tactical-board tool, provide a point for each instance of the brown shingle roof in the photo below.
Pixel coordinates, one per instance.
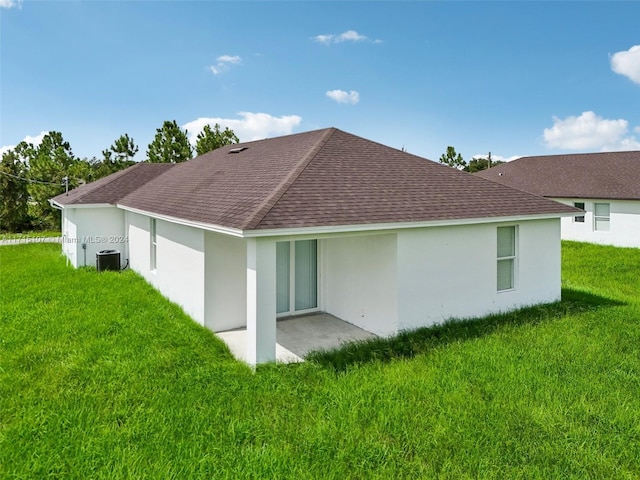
(324, 178)
(112, 188)
(611, 175)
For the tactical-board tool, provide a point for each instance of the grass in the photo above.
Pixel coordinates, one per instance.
(30, 234)
(102, 378)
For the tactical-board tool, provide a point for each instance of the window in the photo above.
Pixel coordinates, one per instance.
(579, 218)
(152, 231)
(506, 258)
(601, 217)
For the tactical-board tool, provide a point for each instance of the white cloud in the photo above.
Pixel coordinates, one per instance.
(5, 149)
(224, 63)
(10, 4)
(326, 39)
(628, 143)
(351, 36)
(252, 126)
(348, 36)
(35, 141)
(589, 132)
(341, 96)
(627, 63)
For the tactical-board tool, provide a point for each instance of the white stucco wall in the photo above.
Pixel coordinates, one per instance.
(99, 228)
(69, 236)
(358, 281)
(225, 282)
(139, 244)
(624, 223)
(180, 265)
(450, 272)
(380, 282)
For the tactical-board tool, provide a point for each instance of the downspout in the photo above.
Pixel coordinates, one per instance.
(125, 234)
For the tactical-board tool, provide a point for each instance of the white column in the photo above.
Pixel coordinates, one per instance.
(261, 301)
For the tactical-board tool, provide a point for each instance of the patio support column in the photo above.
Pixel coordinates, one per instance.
(261, 301)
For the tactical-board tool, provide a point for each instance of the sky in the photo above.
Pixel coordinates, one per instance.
(511, 78)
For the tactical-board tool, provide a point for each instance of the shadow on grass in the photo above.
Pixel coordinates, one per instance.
(410, 343)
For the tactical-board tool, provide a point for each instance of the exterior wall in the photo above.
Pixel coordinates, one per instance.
(624, 223)
(450, 272)
(139, 244)
(69, 236)
(225, 282)
(358, 281)
(180, 265)
(380, 282)
(98, 228)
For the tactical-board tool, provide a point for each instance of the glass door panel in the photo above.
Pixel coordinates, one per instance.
(283, 284)
(306, 274)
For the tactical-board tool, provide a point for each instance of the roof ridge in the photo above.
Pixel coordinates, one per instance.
(268, 203)
(111, 180)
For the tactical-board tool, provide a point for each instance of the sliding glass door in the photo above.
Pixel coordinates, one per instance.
(296, 276)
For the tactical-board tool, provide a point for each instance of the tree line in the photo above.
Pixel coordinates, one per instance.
(31, 175)
(476, 164)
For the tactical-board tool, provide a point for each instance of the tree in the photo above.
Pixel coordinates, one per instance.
(49, 165)
(115, 158)
(170, 145)
(124, 148)
(477, 164)
(14, 196)
(209, 139)
(453, 159)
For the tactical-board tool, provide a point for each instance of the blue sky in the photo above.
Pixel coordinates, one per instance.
(513, 78)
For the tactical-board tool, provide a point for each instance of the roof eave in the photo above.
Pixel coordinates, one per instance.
(328, 230)
(62, 206)
(189, 223)
(56, 205)
(592, 197)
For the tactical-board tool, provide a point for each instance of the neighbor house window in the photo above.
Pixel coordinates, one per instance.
(601, 217)
(153, 244)
(506, 258)
(579, 218)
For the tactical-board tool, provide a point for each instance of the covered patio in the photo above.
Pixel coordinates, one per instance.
(297, 336)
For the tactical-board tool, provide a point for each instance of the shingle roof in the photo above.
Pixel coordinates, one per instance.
(325, 178)
(611, 175)
(112, 188)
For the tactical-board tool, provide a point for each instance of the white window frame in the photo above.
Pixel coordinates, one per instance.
(601, 218)
(579, 218)
(153, 245)
(512, 259)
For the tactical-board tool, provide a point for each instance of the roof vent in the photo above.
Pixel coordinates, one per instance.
(238, 150)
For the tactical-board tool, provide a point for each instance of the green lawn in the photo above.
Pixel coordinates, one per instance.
(102, 378)
(30, 234)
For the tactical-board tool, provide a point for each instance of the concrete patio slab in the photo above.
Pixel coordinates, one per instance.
(297, 336)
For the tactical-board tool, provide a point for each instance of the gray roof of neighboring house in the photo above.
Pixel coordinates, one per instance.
(325, 178)
(112, 188)
(610, 175)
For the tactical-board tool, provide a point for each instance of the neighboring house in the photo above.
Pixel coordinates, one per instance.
(605, 185)
(320, 221)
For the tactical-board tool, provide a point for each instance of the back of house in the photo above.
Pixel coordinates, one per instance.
(605, 185)
(321, 221)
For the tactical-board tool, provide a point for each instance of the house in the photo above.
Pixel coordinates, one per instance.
(605, 185)
(320, 221)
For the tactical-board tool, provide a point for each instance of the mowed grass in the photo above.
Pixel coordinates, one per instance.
(31, 234)
(100, 377)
